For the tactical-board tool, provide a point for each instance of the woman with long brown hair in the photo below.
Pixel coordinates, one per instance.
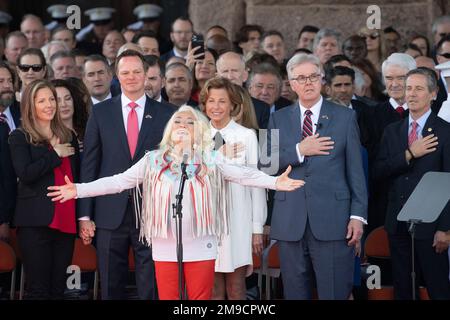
(43, 152)
(73, 109)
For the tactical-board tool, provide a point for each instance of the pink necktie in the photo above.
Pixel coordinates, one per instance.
(132, 128)
(413, 133)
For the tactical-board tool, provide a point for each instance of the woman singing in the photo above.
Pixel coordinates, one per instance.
(205, 213)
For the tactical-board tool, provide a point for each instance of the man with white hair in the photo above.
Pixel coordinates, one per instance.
(317, 226)
(394, 70)
(326, 44)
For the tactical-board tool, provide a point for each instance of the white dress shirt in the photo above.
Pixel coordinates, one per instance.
(395, 104)
(95, 101)
(139, 109)
(420, 123)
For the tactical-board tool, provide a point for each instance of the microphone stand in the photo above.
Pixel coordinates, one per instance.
(412, 232)
(178, 215)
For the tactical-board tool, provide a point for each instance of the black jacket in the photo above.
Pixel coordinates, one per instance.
(34, 165)
(403, 178)
(8, 181)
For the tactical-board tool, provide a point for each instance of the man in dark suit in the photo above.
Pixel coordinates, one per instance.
(231, 65)
(155, 80)
(180, 35)
(409, 149)
(394, 69)
(9, 120)
(265, 84)
(318, 225)
(8, 183)
(119, 132)
(340, 87)
(9, 108)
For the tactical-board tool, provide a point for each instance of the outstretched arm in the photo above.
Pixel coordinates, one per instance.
(252, 177)
(108, 185)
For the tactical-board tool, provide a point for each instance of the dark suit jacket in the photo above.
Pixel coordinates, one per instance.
(281, 103)
(382, 115)
(403, 178)
(262, 111)
(34, 167)
(363, 116)
(106, 153)
(166, 56)
(335, 184)
(15, 111)
(8, 181)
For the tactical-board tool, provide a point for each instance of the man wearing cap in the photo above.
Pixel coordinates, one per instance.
(59, 15)
(149, 20)
(5, 19)
(444, 68)
(91, 37)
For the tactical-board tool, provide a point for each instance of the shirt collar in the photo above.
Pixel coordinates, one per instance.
(229, 126)
(126, 101)
(395, 105)
(94, 100)
(315, 109)
(178, 54)
(422, 120)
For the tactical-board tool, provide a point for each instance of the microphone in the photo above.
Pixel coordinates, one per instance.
(318, 125)
(184, 162)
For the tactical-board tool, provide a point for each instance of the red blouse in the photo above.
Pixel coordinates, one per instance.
(64, 217)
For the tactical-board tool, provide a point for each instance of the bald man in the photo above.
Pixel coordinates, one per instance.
(231, 65)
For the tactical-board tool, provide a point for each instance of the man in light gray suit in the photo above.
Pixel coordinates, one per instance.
(318, 225)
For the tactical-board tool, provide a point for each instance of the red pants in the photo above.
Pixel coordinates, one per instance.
(198, 277)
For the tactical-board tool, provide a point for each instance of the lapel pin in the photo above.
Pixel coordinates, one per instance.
(324, 117)
(147, 116)
(429, 129)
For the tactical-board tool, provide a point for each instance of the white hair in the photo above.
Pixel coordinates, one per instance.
(301, 58)
(401, 60)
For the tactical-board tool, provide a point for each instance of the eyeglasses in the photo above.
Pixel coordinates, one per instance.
(372, 36)
(27, 67)
(312, 77)
(445, 55)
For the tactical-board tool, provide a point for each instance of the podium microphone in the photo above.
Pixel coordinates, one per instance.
(184, 162)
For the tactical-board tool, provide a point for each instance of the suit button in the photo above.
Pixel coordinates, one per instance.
(406, 178)
(402, 197)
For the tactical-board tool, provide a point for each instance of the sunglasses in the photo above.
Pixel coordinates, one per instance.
(27, 67)
(372, 36)
(445, 55)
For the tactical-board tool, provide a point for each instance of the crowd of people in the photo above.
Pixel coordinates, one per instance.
(95, 127)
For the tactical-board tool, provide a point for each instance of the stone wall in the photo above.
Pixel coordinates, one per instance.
(288, 16)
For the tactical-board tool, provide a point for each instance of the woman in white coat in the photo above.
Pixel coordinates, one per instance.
(205, 214)
(222, 101)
